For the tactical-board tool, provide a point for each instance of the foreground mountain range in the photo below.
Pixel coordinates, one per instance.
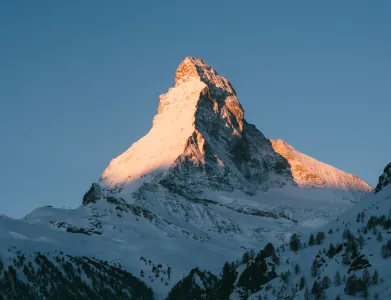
(186, 210)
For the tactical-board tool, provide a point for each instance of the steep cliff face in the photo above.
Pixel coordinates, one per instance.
(384, 179)
(199, 140)
(309, 172)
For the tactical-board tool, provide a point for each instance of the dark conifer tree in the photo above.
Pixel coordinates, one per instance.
(331, 252)
(228, 278)
(297, 269)
(326, 282)
(375, 277)
(301, 283)
(294, 243)
(316, 288)
(314, 268)
(311, 240)
(337, 279)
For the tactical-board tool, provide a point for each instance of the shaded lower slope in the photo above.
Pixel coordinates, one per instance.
(59, 276)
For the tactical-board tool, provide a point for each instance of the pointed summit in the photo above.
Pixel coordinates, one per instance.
(193, 71)
(188, 70)
(221, 90)
(198, 133)
(192, 68)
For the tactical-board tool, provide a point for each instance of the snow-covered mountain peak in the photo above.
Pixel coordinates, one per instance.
(309, 172)
(218, 89)
(189, 69)
(203, 168)
(199, 132)
(192, 68)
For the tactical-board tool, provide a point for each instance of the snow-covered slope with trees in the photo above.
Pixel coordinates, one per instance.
(346, 259)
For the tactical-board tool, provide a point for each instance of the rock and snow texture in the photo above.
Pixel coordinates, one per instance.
(309, 172)
(384, 179)
(199, 140)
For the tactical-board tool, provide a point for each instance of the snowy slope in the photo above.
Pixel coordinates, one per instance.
(351, 261)
(309, 172)
(166, 141)
(368, 223)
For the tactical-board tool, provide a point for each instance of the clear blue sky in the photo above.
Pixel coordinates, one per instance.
(80, 80)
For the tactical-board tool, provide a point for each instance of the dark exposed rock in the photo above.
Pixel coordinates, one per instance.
(197, 285)
(93, 194)
(359, 263)
(354, 285)
(384, 179)
(259, 272)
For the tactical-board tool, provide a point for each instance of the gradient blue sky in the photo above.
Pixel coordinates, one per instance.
(80, 80)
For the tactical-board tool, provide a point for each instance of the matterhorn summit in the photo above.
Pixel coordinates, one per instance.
(199, 140)
(200, 143)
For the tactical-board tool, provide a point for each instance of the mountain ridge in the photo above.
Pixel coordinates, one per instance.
(194, 119)
(309, 172)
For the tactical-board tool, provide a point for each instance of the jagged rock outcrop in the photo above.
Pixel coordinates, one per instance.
(259, 271)
(196, 285)
(253, 275)
(384, 179)
(93, 194)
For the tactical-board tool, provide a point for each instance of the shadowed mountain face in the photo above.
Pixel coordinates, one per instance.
(384, 179)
